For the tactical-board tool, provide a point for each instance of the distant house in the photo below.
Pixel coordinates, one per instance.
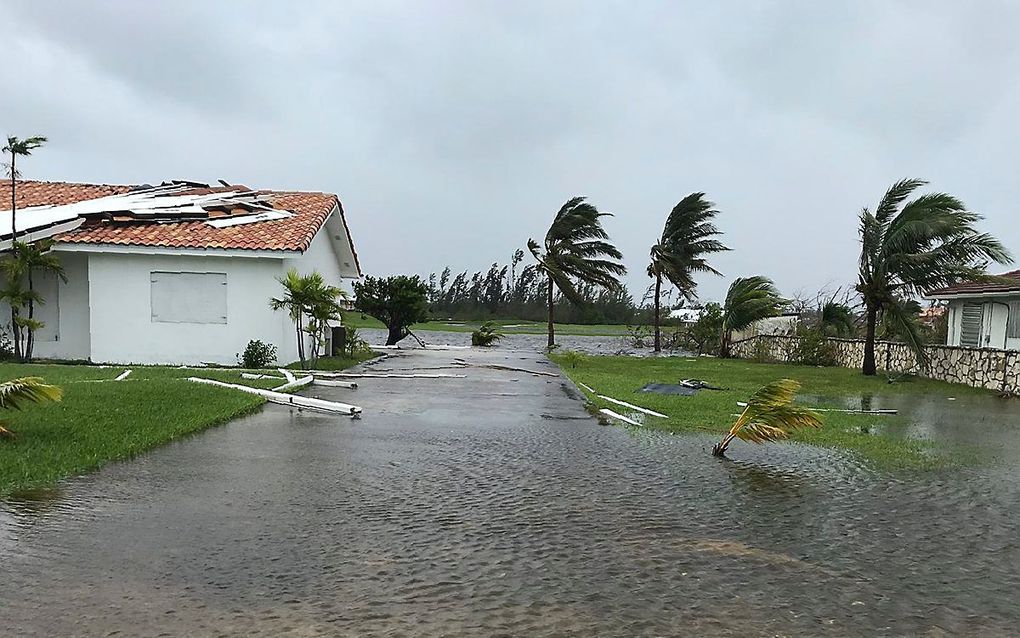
(785, 324)
(983, 314)
(686, 315)
(179, 273)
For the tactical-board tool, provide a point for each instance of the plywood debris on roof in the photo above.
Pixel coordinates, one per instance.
(167, 203)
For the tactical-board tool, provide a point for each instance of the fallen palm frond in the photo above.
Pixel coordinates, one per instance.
(16, 393)
(770, 415)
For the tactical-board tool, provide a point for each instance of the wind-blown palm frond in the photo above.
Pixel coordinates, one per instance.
(576, 249)
(837, 320)
(17, 393)
(748, 300)
(911, 247)
(770, 415)
(687, 238)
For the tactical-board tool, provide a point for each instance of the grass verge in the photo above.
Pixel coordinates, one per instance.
(100, 420)
(713, 412)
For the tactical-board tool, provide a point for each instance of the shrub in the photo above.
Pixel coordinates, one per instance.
(814, 349)
(257, 355)
(573, 358)
(352, 345)
(6, 347)
(486, 335)
(761, 350)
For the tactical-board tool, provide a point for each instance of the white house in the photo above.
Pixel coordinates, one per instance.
(686, 315)
(179, 273)
(784, 324)
(983, 314)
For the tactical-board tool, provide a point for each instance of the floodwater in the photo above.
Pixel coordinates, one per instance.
(593, 345)
(494, 506)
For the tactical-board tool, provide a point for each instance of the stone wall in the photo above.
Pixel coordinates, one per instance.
(977, 367)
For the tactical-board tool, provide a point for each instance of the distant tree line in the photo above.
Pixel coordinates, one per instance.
(516, 292)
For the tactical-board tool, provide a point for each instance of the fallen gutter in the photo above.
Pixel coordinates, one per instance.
(297, 401)
(615, 415)
(123, 375)
(633, 407)
(294, 384)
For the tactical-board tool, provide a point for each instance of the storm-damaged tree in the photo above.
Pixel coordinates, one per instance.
(14, 148)
(399, 302)
(910, 248)
(748, 300)
(576, 247)
(687, 238)
(770, 415)
(16, 393)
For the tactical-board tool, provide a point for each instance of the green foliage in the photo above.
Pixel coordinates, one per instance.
(814, 349)
(748, 300)
(687, 238)
(313, 305)
(703, 337)
(17, 393)
(486, 335)
(576, 249)
(837, 320)
(257, 354)
(911, 247)
(19, 267)
(572, 358)
(399, 302)
(353, 345)
(770, 415)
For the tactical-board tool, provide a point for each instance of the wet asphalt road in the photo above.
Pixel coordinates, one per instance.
(495, 506)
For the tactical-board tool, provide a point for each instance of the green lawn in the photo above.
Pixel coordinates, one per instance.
(98, 422)
(508, 326)
(713, 412)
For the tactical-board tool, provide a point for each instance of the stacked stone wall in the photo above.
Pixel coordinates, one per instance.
(978, 367)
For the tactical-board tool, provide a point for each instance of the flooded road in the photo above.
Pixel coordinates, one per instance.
(494, 506)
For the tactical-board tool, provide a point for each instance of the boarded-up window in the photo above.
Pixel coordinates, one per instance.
(48, 309)
(1013, 322)
(189, 297)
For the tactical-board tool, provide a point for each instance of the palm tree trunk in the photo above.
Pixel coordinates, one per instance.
(549, 300)
(300, 342)
(30, 339)
(658, 290)
(869, 340)
(14, 199)
(724, 344)
(15, 332)
(719, 449)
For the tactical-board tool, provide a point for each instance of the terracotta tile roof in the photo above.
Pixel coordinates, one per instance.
(978, 288)
(294, 233)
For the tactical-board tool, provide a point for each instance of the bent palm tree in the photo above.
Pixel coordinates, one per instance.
(770, 415)
(837, 320)
(16, 393)
(16, 147)
(576, 247)
(910, 248)
(298, 296)
(748, 300)
(24, 262)
(687, 238)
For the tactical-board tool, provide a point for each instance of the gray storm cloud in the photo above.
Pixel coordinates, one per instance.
(453, 131)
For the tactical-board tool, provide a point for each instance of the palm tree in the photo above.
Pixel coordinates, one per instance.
(836, 320)
(748, 300)
(910, 247)
(296, 298)
(18, 392)
(16, 147)
(576, 247)
(687, 238)
(770, 415)
(24, 261)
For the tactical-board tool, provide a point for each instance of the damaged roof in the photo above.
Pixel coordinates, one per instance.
(173, 215)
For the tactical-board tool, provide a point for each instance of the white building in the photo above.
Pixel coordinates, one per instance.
(177, 274)
(983, 314)
(785, 324)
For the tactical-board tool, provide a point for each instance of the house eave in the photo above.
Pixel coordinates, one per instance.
(972, 295)
(122, 249)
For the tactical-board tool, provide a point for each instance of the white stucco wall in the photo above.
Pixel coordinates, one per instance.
(122, 327)
(995, 314)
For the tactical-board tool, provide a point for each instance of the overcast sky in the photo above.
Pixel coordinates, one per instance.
(453, 131)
